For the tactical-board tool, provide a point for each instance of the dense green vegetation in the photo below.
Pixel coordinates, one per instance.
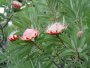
(68, 49)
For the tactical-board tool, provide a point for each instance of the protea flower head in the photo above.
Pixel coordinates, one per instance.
(13, 36)
(29, 34)
(80, 33)
(16, 5)
(56, 28)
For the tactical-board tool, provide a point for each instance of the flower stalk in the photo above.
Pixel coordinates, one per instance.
(61, 40)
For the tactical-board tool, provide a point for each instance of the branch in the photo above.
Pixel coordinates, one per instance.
(7, 21)
(2, 29)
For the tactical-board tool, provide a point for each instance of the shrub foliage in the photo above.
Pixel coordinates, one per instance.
(69, 49)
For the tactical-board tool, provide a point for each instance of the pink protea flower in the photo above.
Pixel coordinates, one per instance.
(80, 33)
(29, 34)
(16, 5)
(56, 28)
(13, 36)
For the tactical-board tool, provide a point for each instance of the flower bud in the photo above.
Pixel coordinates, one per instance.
(13, 38)
(79, 34)
(16, 5)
